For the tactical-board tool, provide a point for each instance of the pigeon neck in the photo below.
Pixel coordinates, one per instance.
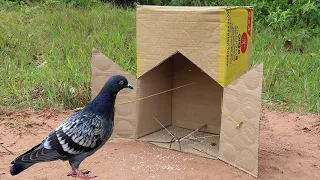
(104, 101)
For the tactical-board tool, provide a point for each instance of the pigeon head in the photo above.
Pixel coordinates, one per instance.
(106, 98)
(117, 83)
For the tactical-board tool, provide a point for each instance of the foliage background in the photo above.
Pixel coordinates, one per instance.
(45, 48)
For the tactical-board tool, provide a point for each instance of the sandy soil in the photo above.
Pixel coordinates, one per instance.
(289, 149)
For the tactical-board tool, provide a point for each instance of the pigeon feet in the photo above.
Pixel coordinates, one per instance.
(81, 174)
(73, 172)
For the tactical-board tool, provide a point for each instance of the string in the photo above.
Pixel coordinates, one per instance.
(140, 99)
(234, 121)
(230, 118)
(156, 94)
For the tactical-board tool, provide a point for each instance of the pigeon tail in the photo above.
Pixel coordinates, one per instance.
(18, 168)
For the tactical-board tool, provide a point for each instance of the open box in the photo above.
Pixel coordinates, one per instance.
(206, 52)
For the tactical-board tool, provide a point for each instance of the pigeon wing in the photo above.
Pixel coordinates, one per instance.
(80, 133)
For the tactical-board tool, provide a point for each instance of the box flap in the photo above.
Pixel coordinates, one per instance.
(193, 31)
(125, 115)
(242, 102)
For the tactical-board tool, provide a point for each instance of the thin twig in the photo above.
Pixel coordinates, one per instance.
(171, 142)
(175, 139)
(7, 149)
(206, 136)
(195, 140)
(215, 157)
(77, 109)
(190, 134)
(152, 141)
(172, 139)
(165, 128)
(173, 136)
(201, 137)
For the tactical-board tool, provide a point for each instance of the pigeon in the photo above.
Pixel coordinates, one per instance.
(80, 135)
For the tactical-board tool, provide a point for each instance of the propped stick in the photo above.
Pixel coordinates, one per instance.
(215, 157)
(152, 141)
(172, 140)
(165, 128)
(173, 136)
(190, 134)
(201, 137)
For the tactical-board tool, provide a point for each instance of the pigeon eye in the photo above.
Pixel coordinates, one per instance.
(121, 82)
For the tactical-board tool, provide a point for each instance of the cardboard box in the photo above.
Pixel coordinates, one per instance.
(207, 52)
(217, 39)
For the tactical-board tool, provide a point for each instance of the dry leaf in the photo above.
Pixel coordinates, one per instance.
(72, 90)
(312, 54)
(42, 64)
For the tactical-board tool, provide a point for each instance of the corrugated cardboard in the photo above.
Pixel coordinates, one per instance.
(242, 101)
(204, 109)
(126, 117)
(156, 80)
(217, 39)
(182, 45)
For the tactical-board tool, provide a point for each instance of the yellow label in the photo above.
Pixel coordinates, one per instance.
(223, 50)
(237, 37)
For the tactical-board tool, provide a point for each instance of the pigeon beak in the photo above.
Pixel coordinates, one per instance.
(129, 86)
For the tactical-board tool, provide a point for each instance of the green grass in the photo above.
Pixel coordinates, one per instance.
(64, 37)
(292, 79)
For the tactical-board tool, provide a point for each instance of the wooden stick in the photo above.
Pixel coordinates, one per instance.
(201, 137)
(165, 128)
(215, 157)
(172, 140)
(152, 141)
(190, 134)
(6, 149)
(189, 139)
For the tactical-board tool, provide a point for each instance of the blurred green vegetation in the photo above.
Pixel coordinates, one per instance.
(45, 48)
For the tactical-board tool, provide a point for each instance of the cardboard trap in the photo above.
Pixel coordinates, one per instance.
(195, 89)
(185, 140)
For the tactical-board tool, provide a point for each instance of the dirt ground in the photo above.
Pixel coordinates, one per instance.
(289, 149)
